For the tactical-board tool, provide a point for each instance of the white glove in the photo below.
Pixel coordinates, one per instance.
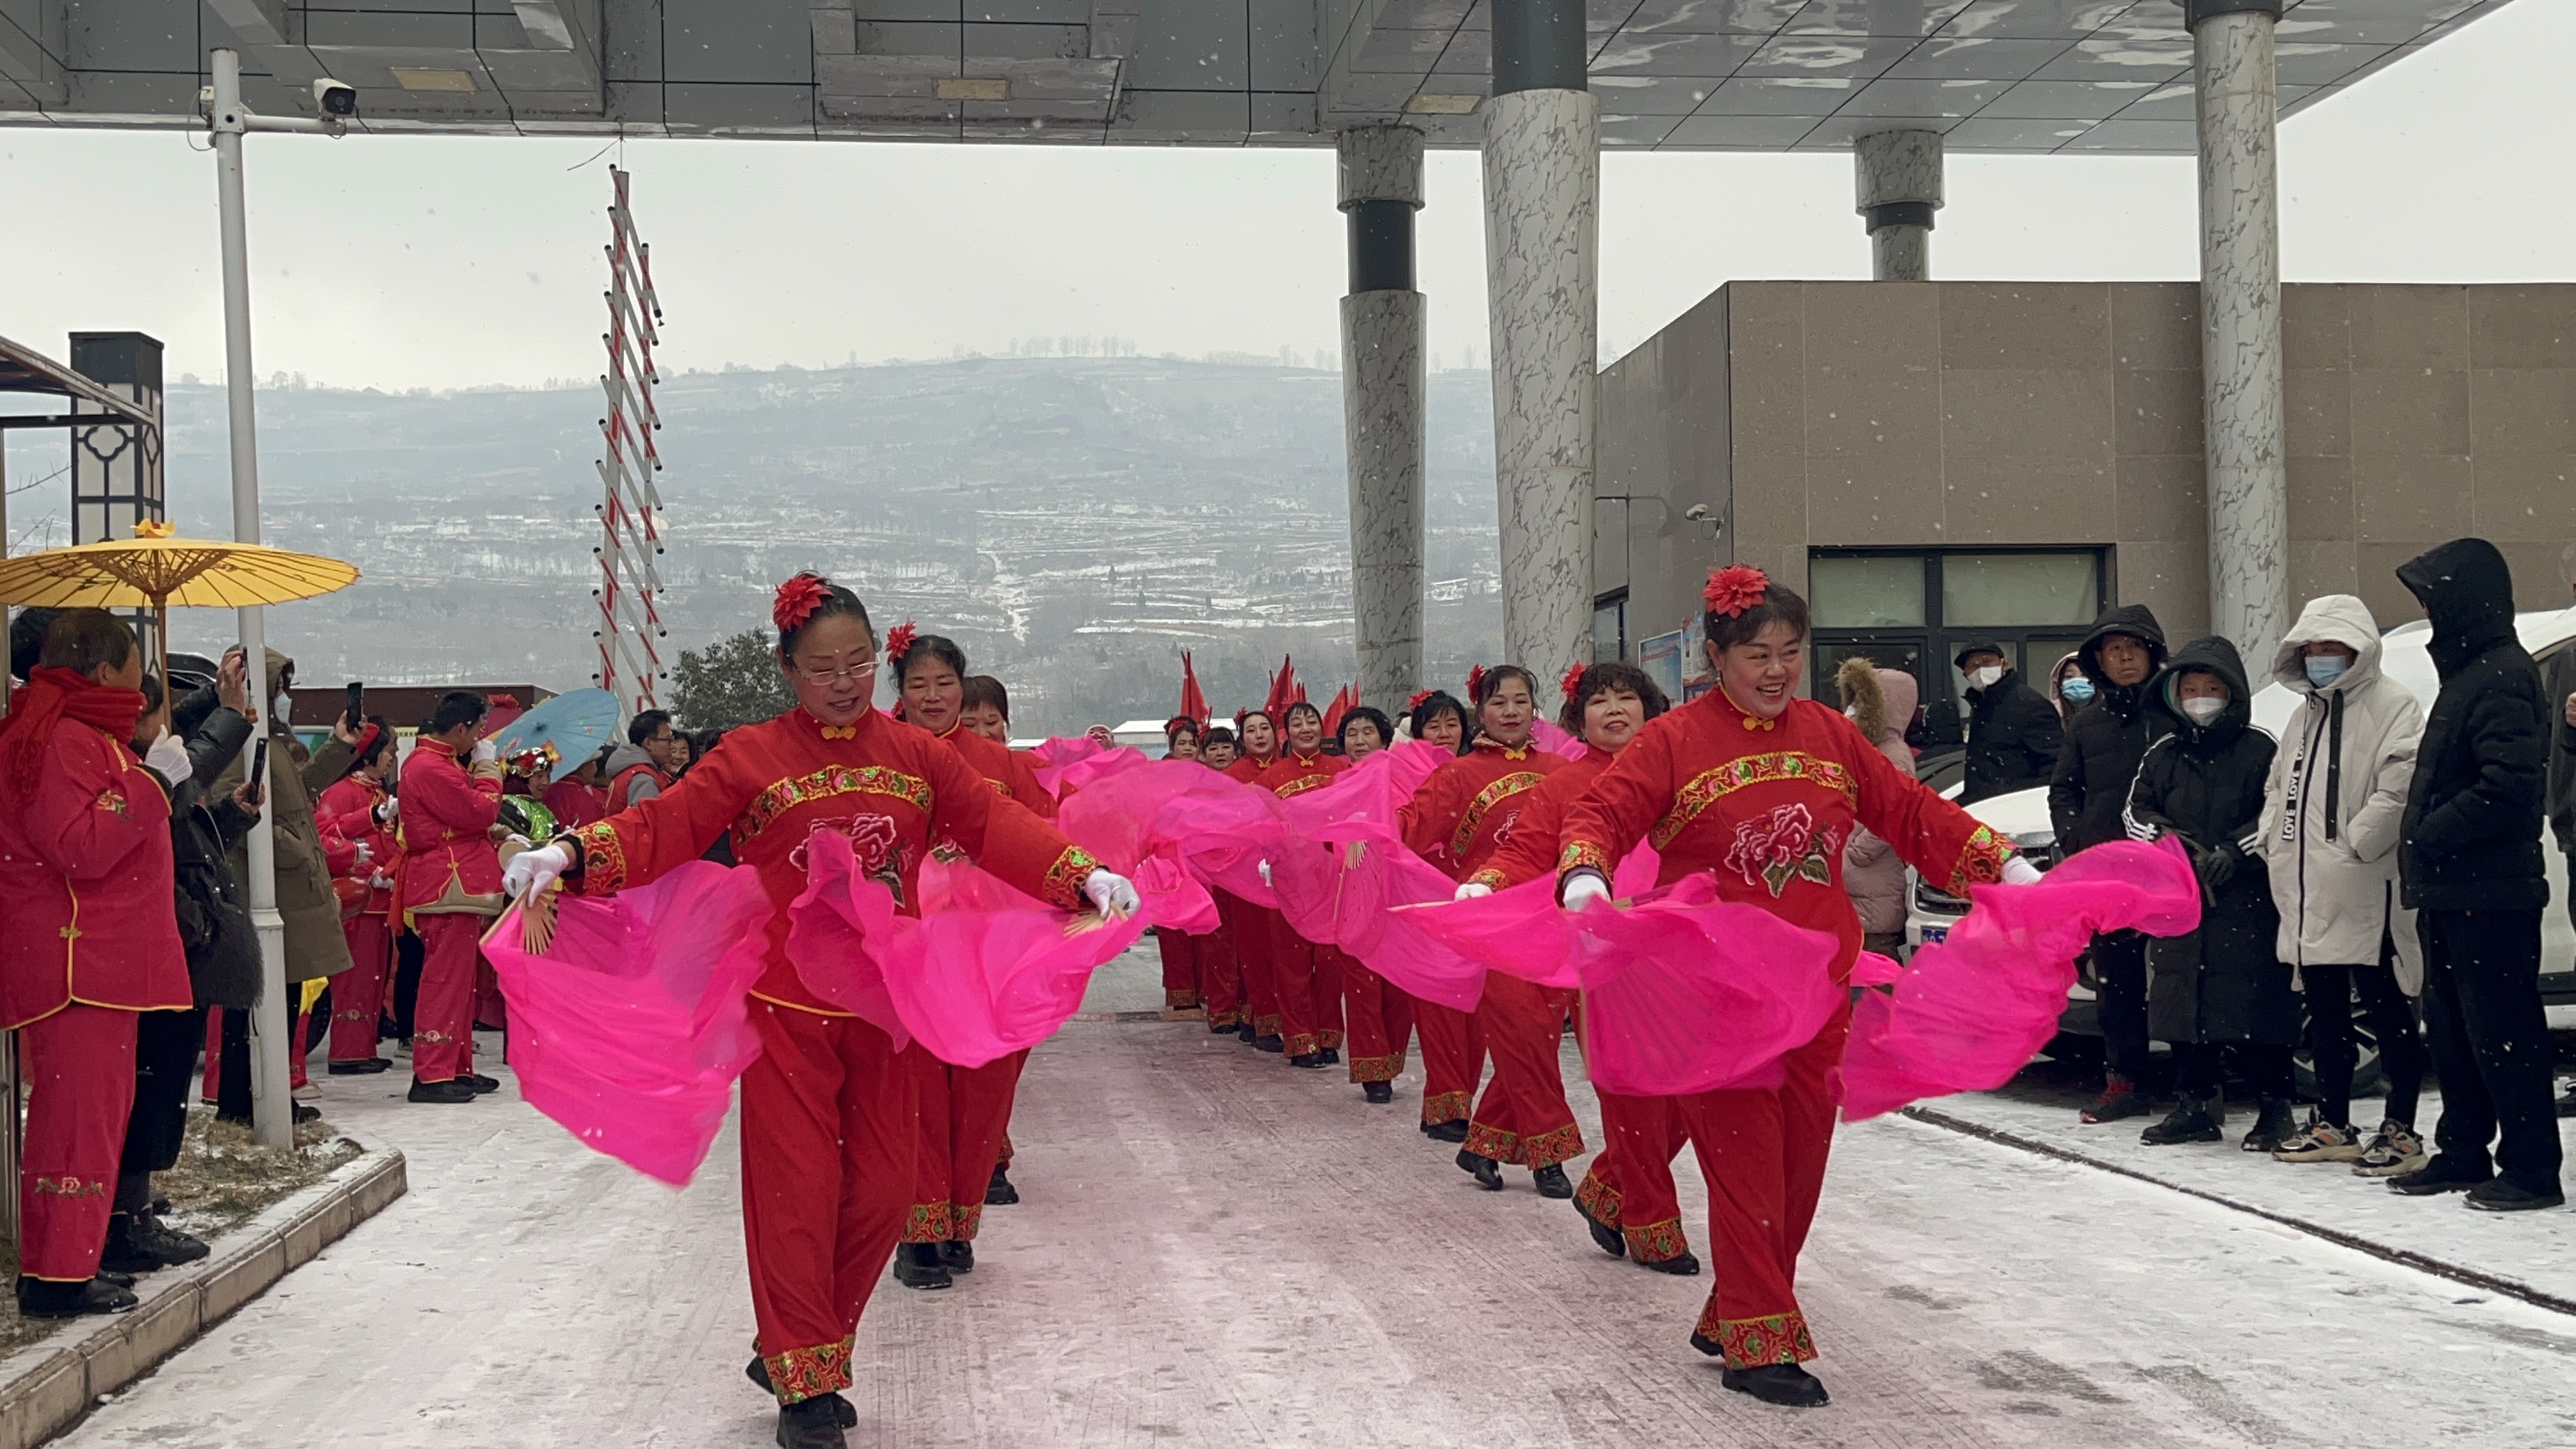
(366, 853)
(380, 882)
(1114, 894)
(168, 758)
(1265, 873)
(388, 811)
(1472, 890)
(486, 751)
(2018, 871)
(521, 841)
(1583, 888)
(534, 870)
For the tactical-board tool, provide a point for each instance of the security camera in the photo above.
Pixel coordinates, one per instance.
(1696, 513)
(337, 100)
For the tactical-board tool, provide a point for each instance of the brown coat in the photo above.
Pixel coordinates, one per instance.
(315, 945)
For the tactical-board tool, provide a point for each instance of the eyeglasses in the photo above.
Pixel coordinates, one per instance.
(854, 672)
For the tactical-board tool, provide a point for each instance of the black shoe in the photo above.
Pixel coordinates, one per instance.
(957, 1256)
(160, 1207)
(140, 1244)
(1243, 1032)
(2431, 1181)
(481, 1084)
(1379, 1092)
(1307, 1059)
(1778, 1383)
(1214, 1029)
(999, 1192)
(814, 1423)
(2190, 1121)
(2273, 1125)
(121, 1280)
(38, 1298)
(1271, 1043)
(917, 1265)
(307, 1113)
(2567, 1101)
(1608, 1239)
(1332, 1056)
(845, 1412)
(1487, 1172)
(1453, 1130)
(1680, 1265)
(2500, 1196)
(1551, 1182)
(367, 1068)
(2120, 1098)
(449, 1092)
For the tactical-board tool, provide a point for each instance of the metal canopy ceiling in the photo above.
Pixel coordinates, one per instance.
(1757, 75)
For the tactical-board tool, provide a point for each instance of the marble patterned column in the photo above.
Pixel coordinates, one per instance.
(1897, 177)
(2240, 322)
(1382, 407)
(1542, 227)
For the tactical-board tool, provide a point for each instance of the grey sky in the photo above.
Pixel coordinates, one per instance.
(443, 262)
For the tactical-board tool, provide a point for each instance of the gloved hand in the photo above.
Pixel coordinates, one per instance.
(534, 870)
(1114, 894)
(1583, 888)
(1472, 890)
(486, 752)
(380, 882)
(168, 758)
(1265, 873)
(366, 853)
(389, 811)
(2018, 871)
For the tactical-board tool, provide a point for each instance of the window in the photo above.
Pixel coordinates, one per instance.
(1610, 627)
(1915, 609)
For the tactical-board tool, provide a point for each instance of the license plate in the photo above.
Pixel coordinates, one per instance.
(1933, 934)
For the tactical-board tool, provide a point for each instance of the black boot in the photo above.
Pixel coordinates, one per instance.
(448, 1092)
(1312, 1060)
(957, 1256)
(1332, 1056)
(38, 1298)
(1680, 1265)
(481, 1084)
(1551, 1182)
(138, 1243)
(1216, 1028)
(2190, 1121)
(917, 1265)
(1778, 1383)
(1487, 1172)
(1271, 1043)
(367, 1068)
(2273, 1125)
(1243, 1032)
(813, 1424)
(999, 1192)
(1608, 1239)
(843, 1411)
(1453, 1130)
(1379, 1092)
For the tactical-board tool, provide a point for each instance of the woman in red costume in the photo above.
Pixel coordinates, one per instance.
(1184, 989)
(1627, 1199)
(1453, 1046)
(964, 1110)
(1469, 809)
(1378, 1014)
(1257, 755)
(358, 810)
(1306, 980)
(1759, 789)
(829, 1129)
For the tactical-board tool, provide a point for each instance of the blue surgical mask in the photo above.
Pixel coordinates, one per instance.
(2325, 669)
(2076, 690)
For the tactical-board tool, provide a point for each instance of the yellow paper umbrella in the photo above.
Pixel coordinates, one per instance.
(155, 570)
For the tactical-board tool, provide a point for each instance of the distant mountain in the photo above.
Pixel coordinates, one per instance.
(1073, 523)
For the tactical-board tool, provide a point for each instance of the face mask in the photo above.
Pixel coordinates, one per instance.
(2076, 690)
(2204, 710)
(281, 707)
(2325, 669)
(1987, 677)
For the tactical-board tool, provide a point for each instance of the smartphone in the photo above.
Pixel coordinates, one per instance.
(357, 715)
(258, 764)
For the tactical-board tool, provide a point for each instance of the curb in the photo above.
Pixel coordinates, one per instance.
(47, 1387)
(2404, 1257)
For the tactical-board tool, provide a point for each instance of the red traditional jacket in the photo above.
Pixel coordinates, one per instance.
(1472, 806)
(1288, 774)
(1003, 768)
(86, 874)
(1765, 806)
(892, 788)
(1531, 850)
(446, 820)
(575, 804)
(346, 817)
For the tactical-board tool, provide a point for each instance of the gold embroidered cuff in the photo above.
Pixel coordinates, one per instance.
(1063, 883)
(1582, 855)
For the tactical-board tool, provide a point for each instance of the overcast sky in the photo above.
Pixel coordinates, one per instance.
(420, 262)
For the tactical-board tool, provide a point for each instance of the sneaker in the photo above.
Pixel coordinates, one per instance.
(2120, 1098)
(2190, 1121)
(2319, 1141)
(310, 1091)
(2431, 1180)
(2272, 1126)
(138, 1243)
(2498, 1195)
(2392, 1150)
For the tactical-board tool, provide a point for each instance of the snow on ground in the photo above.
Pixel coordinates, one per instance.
(1216, 1250)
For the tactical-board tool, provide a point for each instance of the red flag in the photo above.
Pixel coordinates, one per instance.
(1342, 704)
(1284, 690)
(1193, 703)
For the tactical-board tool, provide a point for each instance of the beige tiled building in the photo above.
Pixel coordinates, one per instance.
(2045, 438)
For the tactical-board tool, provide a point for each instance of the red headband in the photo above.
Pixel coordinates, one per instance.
(796, 601)
(1734, 589)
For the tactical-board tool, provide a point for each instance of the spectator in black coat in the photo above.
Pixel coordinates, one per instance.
(2470, 864)
(2105, 739)
(2558, 696)
(2014, 733)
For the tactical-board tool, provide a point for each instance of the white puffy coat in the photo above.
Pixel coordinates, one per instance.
(2336, 800)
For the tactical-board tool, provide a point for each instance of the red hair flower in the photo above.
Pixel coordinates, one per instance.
(1415, 703)
(1572, 681)
(898, 644)
(1475, 682)
(796, 601)
(1734, 589)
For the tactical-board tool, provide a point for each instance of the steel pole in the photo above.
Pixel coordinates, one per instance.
(272, 1101)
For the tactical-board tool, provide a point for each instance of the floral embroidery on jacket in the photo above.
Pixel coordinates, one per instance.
(1780, 847)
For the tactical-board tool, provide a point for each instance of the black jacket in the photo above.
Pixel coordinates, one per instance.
(2014, 736)
(213, 909)
(2472, 838)
(2104, 739)
(2558, 682)
(2204, 784)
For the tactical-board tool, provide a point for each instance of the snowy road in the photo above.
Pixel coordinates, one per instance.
(1214, 1250)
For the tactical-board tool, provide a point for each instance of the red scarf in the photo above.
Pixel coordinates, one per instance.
(52, 695)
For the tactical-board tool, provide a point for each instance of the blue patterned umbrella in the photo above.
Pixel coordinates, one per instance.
(568, 728)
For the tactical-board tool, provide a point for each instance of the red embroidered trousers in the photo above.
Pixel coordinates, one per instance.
(828, 1141)
(442, 1016)
(1763, 1152)
(1453, 1060)
(358, 994)
(1180, 968)
(79, 1068)
(1220, 974)
(1380, 1017)
(965, 1112)
(1308, 981)
(1523, 1118)
(1250, 926)
(1630, 1187)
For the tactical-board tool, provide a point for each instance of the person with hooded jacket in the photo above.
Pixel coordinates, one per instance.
(2331, 812)
(2014, 735)
(2221, 987)
(2105, 739)
(2471, 866)
(1880, 701)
